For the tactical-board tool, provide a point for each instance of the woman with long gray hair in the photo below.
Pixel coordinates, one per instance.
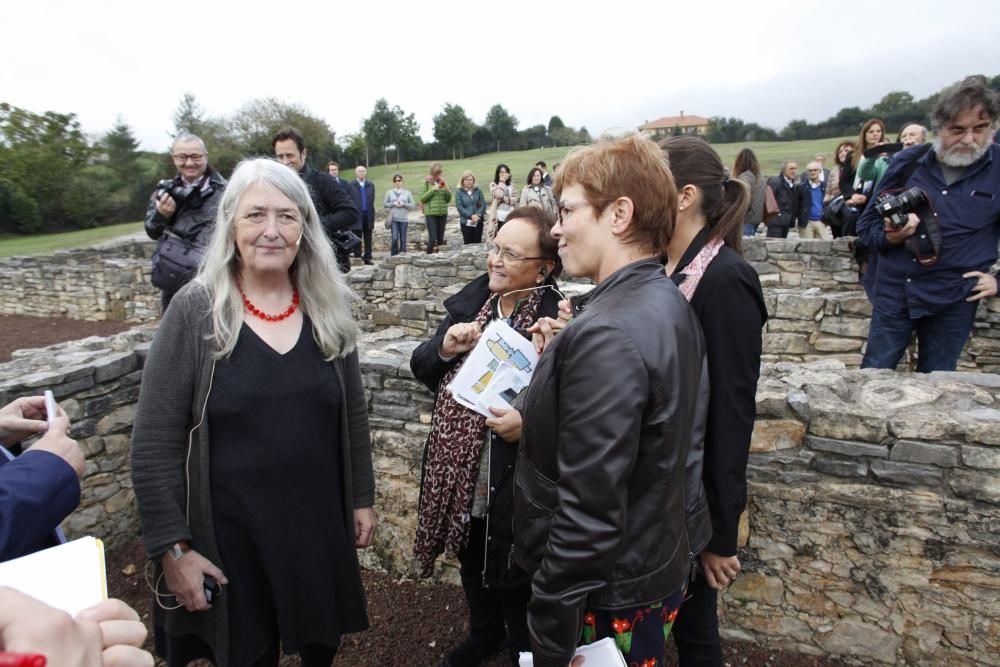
(251, 456)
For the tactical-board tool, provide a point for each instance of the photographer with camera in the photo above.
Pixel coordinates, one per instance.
(935, 227)
(181, 214)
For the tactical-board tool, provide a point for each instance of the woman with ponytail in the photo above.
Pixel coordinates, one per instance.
(704, 259)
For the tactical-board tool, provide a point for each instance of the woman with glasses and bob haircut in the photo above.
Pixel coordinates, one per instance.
(469, 460)
(613, 420)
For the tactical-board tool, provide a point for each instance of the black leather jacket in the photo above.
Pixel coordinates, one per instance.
(428, 367)
(610, 416)
(194, 218)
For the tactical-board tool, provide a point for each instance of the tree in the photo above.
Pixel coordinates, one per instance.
(408, 138)
(40, 154)
(554, 123)
(355, 147)
(896, 108)
(120, 146)
(501, 124)
(583, 136)
(453, 128)
(563, 136)
(18, 212)
(255, 124)
(380, 128)
(532, 137)
(189, 116)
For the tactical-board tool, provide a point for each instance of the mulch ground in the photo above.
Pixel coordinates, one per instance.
(21, 331)
(412, 624)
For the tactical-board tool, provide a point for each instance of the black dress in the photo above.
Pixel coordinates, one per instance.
(277, 499)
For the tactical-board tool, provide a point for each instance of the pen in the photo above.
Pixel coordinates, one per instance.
(21, 659)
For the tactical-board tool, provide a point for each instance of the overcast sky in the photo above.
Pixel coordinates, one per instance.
(608, 65)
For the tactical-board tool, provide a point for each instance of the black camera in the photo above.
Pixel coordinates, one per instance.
(897, 207)
(170, 187)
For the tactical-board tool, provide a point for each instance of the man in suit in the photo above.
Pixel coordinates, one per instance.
(333, 203)
(812, 192)
(789, 200)
(365, 190)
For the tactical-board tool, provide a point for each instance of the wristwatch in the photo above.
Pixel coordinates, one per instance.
(179, 549)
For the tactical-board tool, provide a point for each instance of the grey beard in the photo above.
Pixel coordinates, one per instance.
(953, 159)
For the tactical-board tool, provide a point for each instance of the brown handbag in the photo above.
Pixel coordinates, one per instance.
(771, 209)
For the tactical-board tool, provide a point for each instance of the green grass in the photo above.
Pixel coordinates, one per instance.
(770, 154)
(42, 244)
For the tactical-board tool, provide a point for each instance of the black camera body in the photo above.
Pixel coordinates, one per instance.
(171, 187)
(896, 208)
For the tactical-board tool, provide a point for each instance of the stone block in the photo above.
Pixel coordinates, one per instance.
(976, 486)
(926, 426)
(909, 451)
(118, 420)
(801, 306)
(850, 327)
(764, 269)
(772, 434)
(754, 587)
(413, 310)
(981, 457)
(384, 318)
(114, 365)
(837, 344)
(790, 326)
(840, 467)
(403, 412)
(847, 447)
(981, 425)
(866, 641)
(906, 473)
(785, 343)
(829, 421)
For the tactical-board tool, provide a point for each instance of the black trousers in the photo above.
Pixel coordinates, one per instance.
(435, 230)
(179, 651)
(472, 234)
(777, 232)
(366, 230)
(494, 614)
(696, 628)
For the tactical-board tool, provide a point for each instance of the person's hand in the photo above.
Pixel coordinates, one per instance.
(577, 661)
(474, 217)
(364, 526)
(544, 330)
(505, 423)
(719, 570)
(460, 338)
(106, 635)
(165, 205)
(857, 199)
(57, 441)
(186, 578)
(122, 633)
(21, 418)
(897, 236)
(986, 285)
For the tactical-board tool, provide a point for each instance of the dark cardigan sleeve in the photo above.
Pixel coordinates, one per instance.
(161, 429)
(362, 477)
(731, 309)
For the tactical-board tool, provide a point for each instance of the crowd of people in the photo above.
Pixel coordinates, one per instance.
(605, 503)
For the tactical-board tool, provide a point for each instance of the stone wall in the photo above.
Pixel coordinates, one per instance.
(103, 283)
(873, 526)
(96, 381)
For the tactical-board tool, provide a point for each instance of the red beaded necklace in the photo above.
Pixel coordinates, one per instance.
(254, 310)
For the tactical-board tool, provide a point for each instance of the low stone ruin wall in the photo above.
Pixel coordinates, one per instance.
(102, 283)
(874, 519)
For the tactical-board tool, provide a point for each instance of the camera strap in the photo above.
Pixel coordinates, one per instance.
(928, 219)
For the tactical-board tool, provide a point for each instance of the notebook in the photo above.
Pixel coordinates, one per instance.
(71, 576)
(602, 653)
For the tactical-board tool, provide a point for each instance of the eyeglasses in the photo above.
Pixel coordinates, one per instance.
(507, 255)
(181, 158)
(397, 180)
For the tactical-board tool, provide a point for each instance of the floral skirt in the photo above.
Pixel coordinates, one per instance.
(640, 632)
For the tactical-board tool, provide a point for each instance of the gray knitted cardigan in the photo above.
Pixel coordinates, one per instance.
(170, 453)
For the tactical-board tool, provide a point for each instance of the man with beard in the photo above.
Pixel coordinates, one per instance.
(960, 174)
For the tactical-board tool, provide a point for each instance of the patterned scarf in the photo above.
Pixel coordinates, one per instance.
(451, 467)
(696, 267)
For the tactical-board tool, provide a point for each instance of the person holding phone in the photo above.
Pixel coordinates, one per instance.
(251, 455)
(41, 487)
(434, 199)
(503, 198)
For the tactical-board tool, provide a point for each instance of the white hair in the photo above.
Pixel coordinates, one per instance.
(325, 296)
(187, 137)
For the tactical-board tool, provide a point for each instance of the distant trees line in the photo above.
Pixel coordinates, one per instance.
(895, 108)
(54, 177)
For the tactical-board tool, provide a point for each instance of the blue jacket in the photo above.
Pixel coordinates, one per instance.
(469, 206)
(366, 200)
(37, 491)
(969, 216)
